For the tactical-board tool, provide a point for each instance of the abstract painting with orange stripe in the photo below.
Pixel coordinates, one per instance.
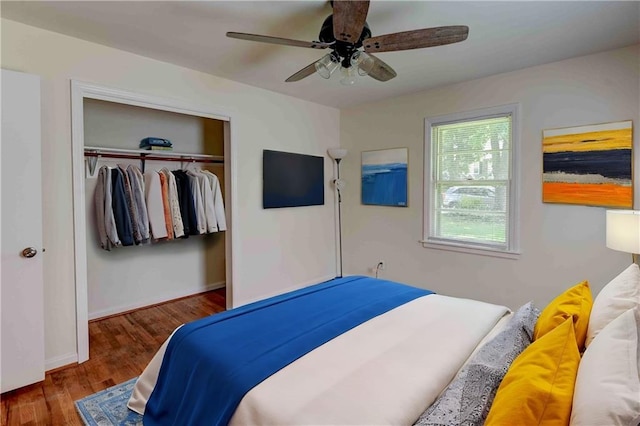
(589, 165)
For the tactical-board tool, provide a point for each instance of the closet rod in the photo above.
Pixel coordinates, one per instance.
(143, 155)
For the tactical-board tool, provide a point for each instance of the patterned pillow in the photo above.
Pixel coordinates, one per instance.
(467, 399)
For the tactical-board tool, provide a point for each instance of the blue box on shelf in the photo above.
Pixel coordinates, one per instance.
(155, 142)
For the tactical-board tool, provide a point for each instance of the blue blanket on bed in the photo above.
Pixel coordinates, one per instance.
(210, 364)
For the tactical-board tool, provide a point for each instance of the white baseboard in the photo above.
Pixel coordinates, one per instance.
(152, 301)
(60, 361)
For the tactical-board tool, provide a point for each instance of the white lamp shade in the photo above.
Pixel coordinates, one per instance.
(337, 153)
(623, 230)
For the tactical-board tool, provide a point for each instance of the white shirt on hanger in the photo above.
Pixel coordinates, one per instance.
(218, 202)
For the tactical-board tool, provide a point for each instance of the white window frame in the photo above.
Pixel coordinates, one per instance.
(429, 240)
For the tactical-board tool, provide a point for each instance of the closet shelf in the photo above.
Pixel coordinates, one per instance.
(95, 152)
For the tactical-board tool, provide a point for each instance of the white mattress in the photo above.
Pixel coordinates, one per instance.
(385, 371)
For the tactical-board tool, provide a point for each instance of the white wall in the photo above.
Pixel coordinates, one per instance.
(277, 249)
(130, 277)
(561, 244)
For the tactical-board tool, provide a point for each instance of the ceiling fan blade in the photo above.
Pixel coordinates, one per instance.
(304, 72)
(416, 39)
(349, 17)
(279, 40)
(381, 71)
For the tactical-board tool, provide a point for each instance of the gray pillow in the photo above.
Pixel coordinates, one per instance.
(467, 399)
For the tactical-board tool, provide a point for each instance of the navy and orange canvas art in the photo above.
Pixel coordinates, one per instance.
(589, 165)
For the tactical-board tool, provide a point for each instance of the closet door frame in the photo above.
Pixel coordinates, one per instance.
(81, 91)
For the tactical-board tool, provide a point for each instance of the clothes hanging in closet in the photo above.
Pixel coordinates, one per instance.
(200, 219)
(174, 203)
(132, 208)
(206, 215)
(103, 204)
(120, 208)
(134, 213)
(166, 205)
(187, 203)
(155, 205)
(218, 203)
(139, 203)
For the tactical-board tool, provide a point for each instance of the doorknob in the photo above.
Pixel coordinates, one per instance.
(29, 252)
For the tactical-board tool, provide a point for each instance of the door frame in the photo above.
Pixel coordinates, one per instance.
(81, 91)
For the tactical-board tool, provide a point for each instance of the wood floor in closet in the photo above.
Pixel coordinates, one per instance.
(120, 348)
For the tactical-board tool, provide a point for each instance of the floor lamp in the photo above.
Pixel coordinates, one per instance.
(623, 231)
(338, 154)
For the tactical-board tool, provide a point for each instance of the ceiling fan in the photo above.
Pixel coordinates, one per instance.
(347, 34)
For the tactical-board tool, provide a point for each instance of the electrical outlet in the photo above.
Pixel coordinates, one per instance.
(381, 265)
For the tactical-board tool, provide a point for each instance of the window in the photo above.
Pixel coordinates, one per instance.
(470, 185)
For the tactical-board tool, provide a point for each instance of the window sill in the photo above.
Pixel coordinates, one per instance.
(471, 249)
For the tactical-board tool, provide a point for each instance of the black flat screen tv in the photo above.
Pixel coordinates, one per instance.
(291, 180)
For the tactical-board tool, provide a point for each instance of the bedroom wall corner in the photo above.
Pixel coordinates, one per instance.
(561, 244)
(276, 251)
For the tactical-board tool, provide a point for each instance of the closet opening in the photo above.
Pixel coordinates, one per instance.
(172, 253)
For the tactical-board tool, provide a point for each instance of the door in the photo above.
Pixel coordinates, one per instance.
(21, 288)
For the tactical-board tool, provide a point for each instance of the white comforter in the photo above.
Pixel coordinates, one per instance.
(385, 371)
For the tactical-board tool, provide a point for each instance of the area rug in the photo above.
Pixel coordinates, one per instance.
(109, 407)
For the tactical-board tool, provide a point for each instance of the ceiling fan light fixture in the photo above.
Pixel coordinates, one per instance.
(348, 76)
(348, 36)
(326, 65)
(362, 61)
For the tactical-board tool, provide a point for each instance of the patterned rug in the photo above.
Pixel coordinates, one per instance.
(109, 407)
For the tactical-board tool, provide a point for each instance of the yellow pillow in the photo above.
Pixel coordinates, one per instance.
(538, 387)
(576, 302)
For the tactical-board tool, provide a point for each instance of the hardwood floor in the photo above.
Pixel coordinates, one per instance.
(120, 348)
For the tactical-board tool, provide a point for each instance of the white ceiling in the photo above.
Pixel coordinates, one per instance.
(503, 36)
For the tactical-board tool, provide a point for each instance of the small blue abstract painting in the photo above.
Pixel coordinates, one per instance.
(384, 177)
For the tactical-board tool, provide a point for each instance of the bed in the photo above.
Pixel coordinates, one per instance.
(353, 350)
